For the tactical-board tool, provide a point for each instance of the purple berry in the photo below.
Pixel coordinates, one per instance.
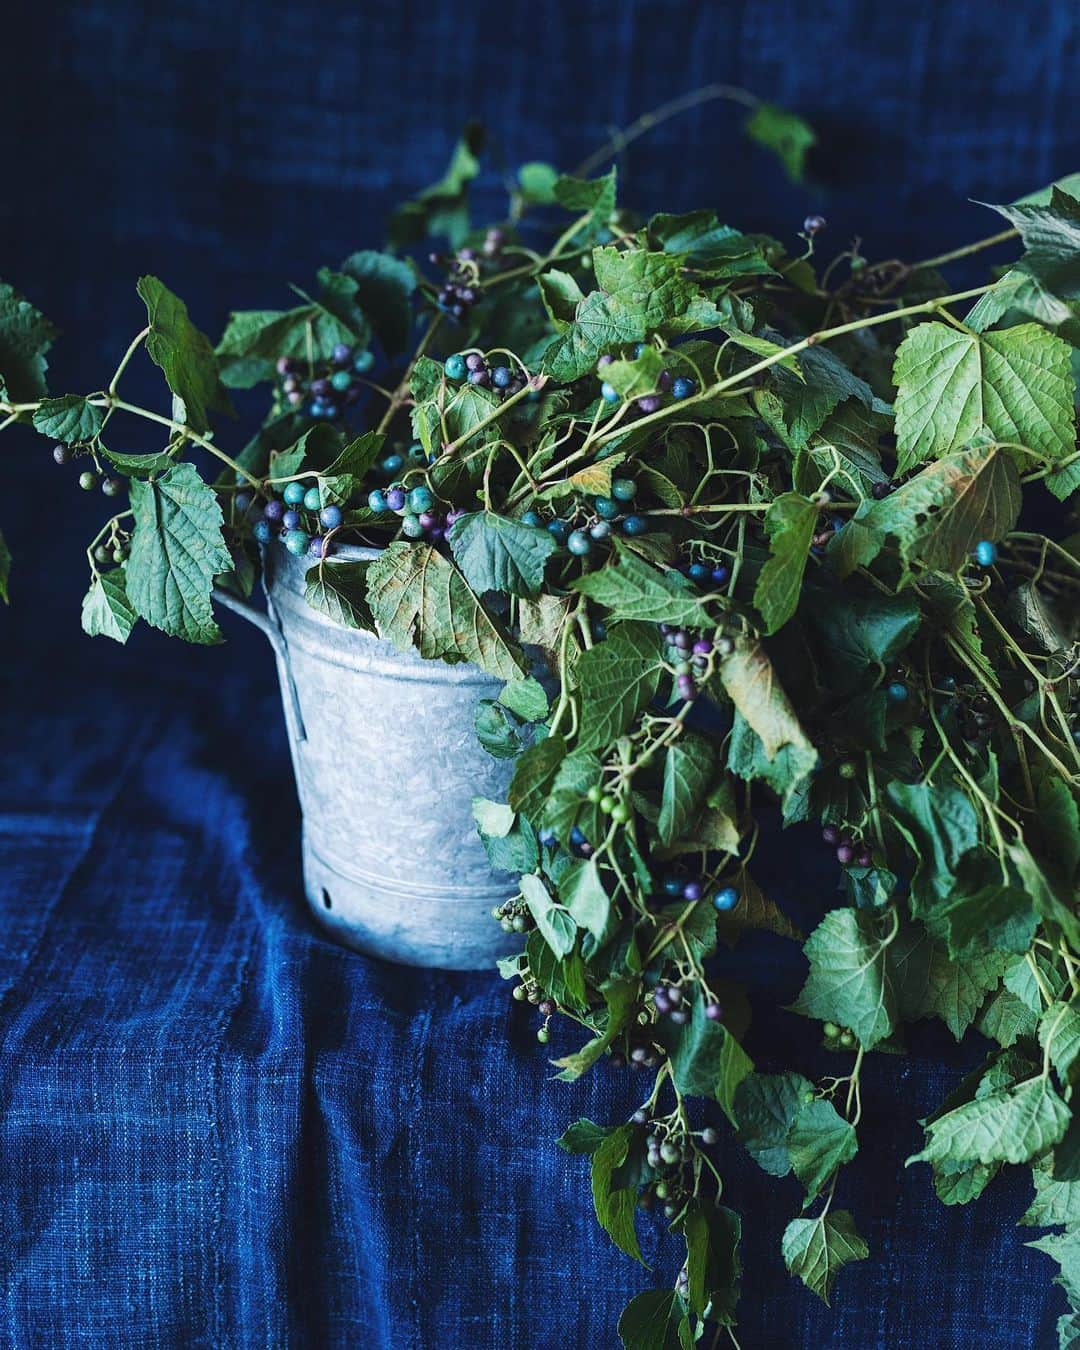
(864, 858)
(680, 1017)
(284, 365)
(714, 1012)
(341, 354)
(663, 1003)
(703, 647)
(830, 834)
(686, 687)
(845, 855)
(274, 509)
(479, 377)
(692, 890)
(681, 639)
(663, 381)
(606, 359)
(290, 520)
(474, 361)
(429, 519)
(650, 403)
(321, 388)
(294, 398)
(395, 499)
(813, 224)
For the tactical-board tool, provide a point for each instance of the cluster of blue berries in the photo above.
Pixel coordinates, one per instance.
(679, 387)
(420, 516)
(461, 289)
(296, 517)
(705, 574)
(693, 889)
(475, 369)
(610, 512)
(848, 852)
(329, 391)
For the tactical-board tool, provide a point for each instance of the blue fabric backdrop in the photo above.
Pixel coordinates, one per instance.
(216, 1128)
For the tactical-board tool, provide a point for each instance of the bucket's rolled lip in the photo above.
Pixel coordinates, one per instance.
(341, 553)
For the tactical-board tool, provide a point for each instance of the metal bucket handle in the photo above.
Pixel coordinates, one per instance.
(268, 624)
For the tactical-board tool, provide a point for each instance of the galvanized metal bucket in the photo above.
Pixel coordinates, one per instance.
(387, 764)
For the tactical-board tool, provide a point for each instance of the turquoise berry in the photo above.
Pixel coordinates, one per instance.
(261, 531)
(726, 899)
(897, 692)
(377, 502)
(985, 553)
(606, 508)
(341, 379)
(420, 499)
(411, 527)
(579, 543)
(623, 489)
(531, 518)
(330, 517)
(363, 361)
(559, 530)
(294, 493)
(635, 525)
(455, 368)
(312, 499)
(393, 464)
(609, 393)
(296, 541)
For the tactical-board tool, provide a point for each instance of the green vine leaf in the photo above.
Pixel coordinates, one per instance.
(185, 355)
(689, 763)
(789, 523)
(652, 1321)
(25, 337)
(496, 553)
(339, 590)
(615, 1205)
(816, 1250)
(633, 589)
(1011, 1125)
(819, 1142)
(70, 419)
(617, 678)
(106, 610)
(420, 600)
(1016, 385)
(850, 981)
(176, 552)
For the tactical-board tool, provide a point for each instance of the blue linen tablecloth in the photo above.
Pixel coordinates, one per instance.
(217, 1128)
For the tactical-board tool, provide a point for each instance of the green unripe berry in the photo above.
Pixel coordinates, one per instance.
(118, 555)
(87, 480)
(831, 1030)
(808, 1096)
(620, 813)
(847, 769)
(519, 923)
(542, 1035)
(594, 794)
(519, 992)
(847, 1039)
(661, 1190)
(669, 1153)
(607, 804)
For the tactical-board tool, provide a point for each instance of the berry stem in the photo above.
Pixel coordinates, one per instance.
(733, 382)
(111, 402)
(647, 121)
(133, 347)
(1000, 238)
(398, 397)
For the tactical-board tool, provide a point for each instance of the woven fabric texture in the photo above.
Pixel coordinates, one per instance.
(217, 1128)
